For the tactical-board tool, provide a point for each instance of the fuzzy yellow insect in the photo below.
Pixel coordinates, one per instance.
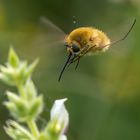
(85, 40)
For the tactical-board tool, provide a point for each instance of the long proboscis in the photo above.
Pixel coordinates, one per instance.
(64, 67)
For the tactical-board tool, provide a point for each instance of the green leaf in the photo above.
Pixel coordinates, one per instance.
(13, 97)
(17, 132)
(13, 59)
(30, 90)
(37, 107)
(30, 68)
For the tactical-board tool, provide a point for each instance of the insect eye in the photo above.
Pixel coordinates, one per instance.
(75, 48)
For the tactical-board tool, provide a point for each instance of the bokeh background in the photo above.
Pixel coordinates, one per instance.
(104, 92)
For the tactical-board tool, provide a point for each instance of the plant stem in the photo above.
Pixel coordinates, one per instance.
(33, 127)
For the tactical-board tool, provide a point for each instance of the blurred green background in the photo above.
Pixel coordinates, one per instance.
(104, 92)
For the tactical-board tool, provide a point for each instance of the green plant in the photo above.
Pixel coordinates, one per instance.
(26, 105)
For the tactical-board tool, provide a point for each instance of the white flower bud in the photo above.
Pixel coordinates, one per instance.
(59, 113)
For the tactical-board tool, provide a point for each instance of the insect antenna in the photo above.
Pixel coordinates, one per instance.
(63, 69)
(125, 36)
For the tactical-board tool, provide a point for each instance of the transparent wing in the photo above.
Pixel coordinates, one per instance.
(51, 26)
(50, 33)
(38, 39)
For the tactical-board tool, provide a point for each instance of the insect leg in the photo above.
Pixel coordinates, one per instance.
(77, 56)
(84, 51)
(77, 63)
(72, 59)
(124, 37)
